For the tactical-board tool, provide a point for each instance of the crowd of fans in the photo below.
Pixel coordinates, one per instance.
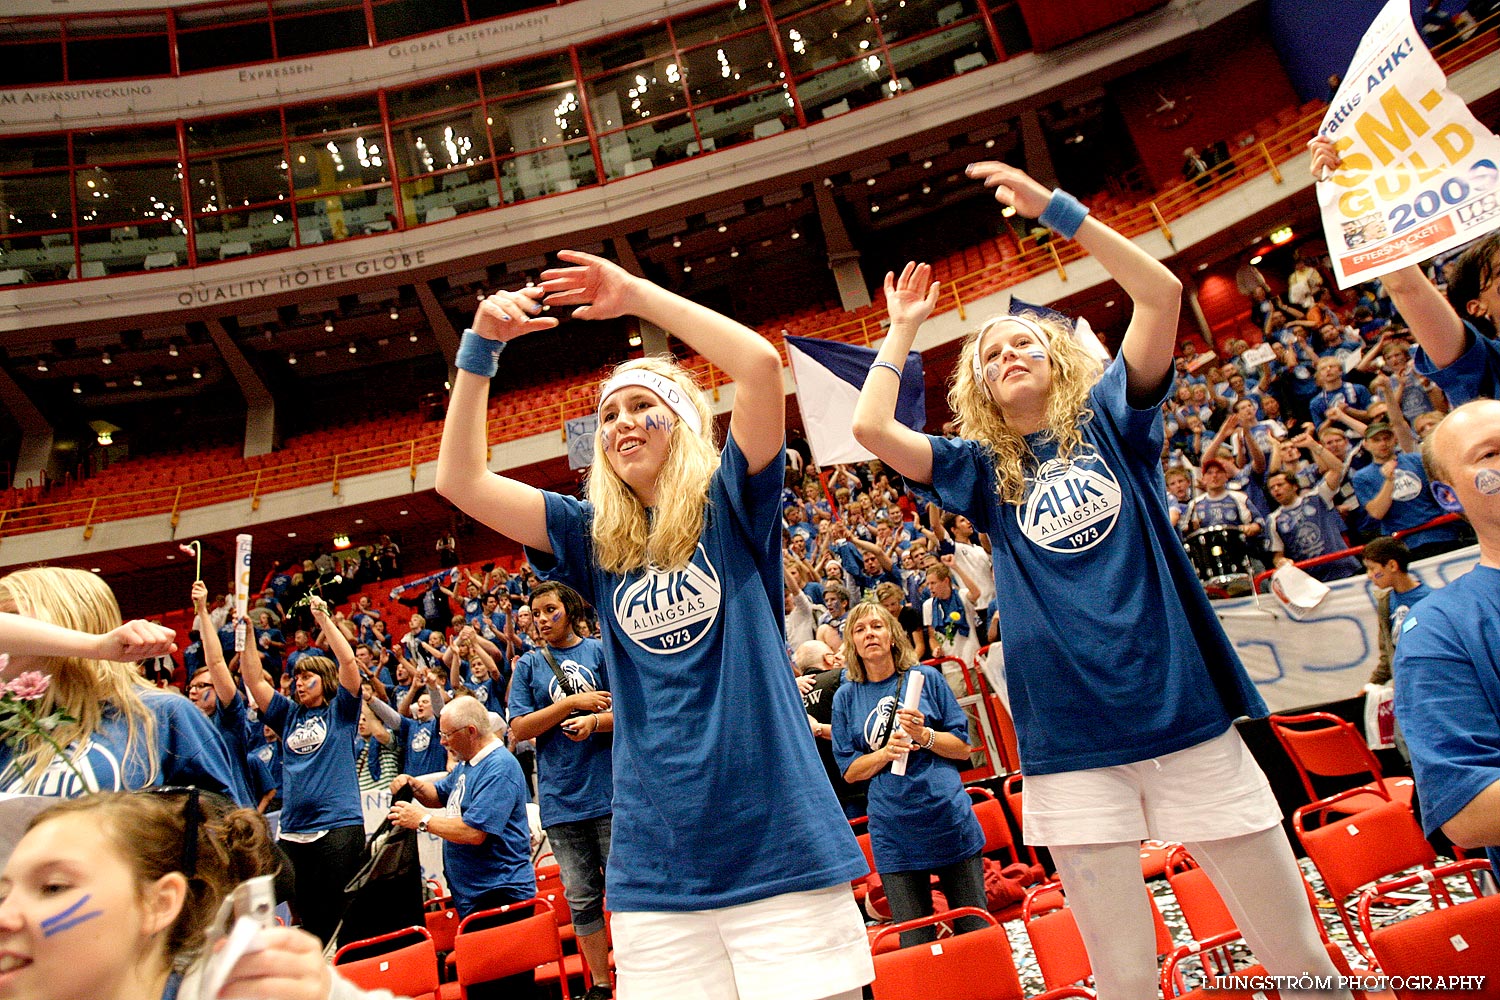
(1307, 443)
(1285, 452)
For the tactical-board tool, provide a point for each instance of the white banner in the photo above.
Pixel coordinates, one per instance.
(1419, 171)
(1329, 654)
(376, 804)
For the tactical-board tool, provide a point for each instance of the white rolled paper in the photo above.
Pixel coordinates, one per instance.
(912, 699)
(241, 586)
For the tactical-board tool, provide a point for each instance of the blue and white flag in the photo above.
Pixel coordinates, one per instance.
(829, 375)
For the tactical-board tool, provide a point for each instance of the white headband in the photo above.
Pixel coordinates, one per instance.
(670, 392)
(1028, 323)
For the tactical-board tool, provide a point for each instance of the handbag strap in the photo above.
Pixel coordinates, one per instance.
(562, 678)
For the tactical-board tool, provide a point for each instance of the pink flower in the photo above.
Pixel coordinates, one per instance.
(28, 686)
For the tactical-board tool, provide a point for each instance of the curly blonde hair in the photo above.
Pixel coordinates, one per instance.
(80, 687)
(625, 538)
(1074, 372)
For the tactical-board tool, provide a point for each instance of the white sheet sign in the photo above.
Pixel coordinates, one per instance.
(1329, 654)
(1418, 172)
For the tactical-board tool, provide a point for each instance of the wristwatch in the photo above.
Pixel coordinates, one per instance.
(423, 823)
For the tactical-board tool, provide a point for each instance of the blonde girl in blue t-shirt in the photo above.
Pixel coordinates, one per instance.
(678, 548)
(1123, 688)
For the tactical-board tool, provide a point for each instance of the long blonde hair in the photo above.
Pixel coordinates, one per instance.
(1074, 372)
(79, 687)
(902, 655)
(625, 539)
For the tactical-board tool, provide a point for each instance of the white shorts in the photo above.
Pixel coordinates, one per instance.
(796, 946)
(1209, 791)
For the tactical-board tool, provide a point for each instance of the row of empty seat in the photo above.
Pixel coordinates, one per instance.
(144, 484)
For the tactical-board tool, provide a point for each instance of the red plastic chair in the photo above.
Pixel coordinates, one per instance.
(995, 824)
(442, 922)
(404, 962)
(1324, 745)
(1353, 851)
(487, 951)
(973, 966)
(1202, 906)
(1057, 943)
(1010, 789)
(1460, 939)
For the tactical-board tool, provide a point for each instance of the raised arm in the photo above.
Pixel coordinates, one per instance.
(213, 652)
(604, 290)
(135, 640)
(1154, 291)
(337, 644)
(1428, 314)
(254, 676)
(881, 557)
(909, 301)
(506, 505)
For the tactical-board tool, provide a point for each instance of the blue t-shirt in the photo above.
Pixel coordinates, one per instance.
(1349, 394)
(1311, 527)
(712, 747)
(319, 784)
(1411, 503)
(1476, 373)
(921, 820)
(264, 767)
(1447, 672)
(229, 720)
(270, 656)
(297, 654)
(490, 796)
(573, 777)
(1093, 683)
(187, 750)
(425, 753)
(1230, 509)
(1401, 605)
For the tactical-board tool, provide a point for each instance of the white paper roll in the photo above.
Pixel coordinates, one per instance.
(911, 700)
(241, 585)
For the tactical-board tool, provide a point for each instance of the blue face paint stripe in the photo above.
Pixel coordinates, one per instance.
(59, 928)
(65, 914)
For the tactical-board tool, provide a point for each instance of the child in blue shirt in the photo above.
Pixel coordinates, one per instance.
(566, 710)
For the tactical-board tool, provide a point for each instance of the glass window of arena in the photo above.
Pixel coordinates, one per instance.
(91, 204)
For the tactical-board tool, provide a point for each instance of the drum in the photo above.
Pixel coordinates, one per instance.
(1218, 554)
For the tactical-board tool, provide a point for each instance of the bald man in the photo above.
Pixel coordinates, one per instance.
(1447, 666)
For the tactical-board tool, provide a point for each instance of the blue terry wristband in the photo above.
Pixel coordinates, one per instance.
(479, 355)
(1064, 213)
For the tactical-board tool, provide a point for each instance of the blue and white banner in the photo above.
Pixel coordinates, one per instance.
(580, 434)
(829, 375)
(1331, 652)
(421, 582)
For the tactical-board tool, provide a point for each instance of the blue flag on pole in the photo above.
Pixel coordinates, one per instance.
(829, 376)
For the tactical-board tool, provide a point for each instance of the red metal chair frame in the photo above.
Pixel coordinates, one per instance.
(494, 952)
(977, 965)
(1403, 847)
(407, 971)
(1341, 750)
(1432, 931)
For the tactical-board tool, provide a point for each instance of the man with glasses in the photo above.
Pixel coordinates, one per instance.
(485, 833)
